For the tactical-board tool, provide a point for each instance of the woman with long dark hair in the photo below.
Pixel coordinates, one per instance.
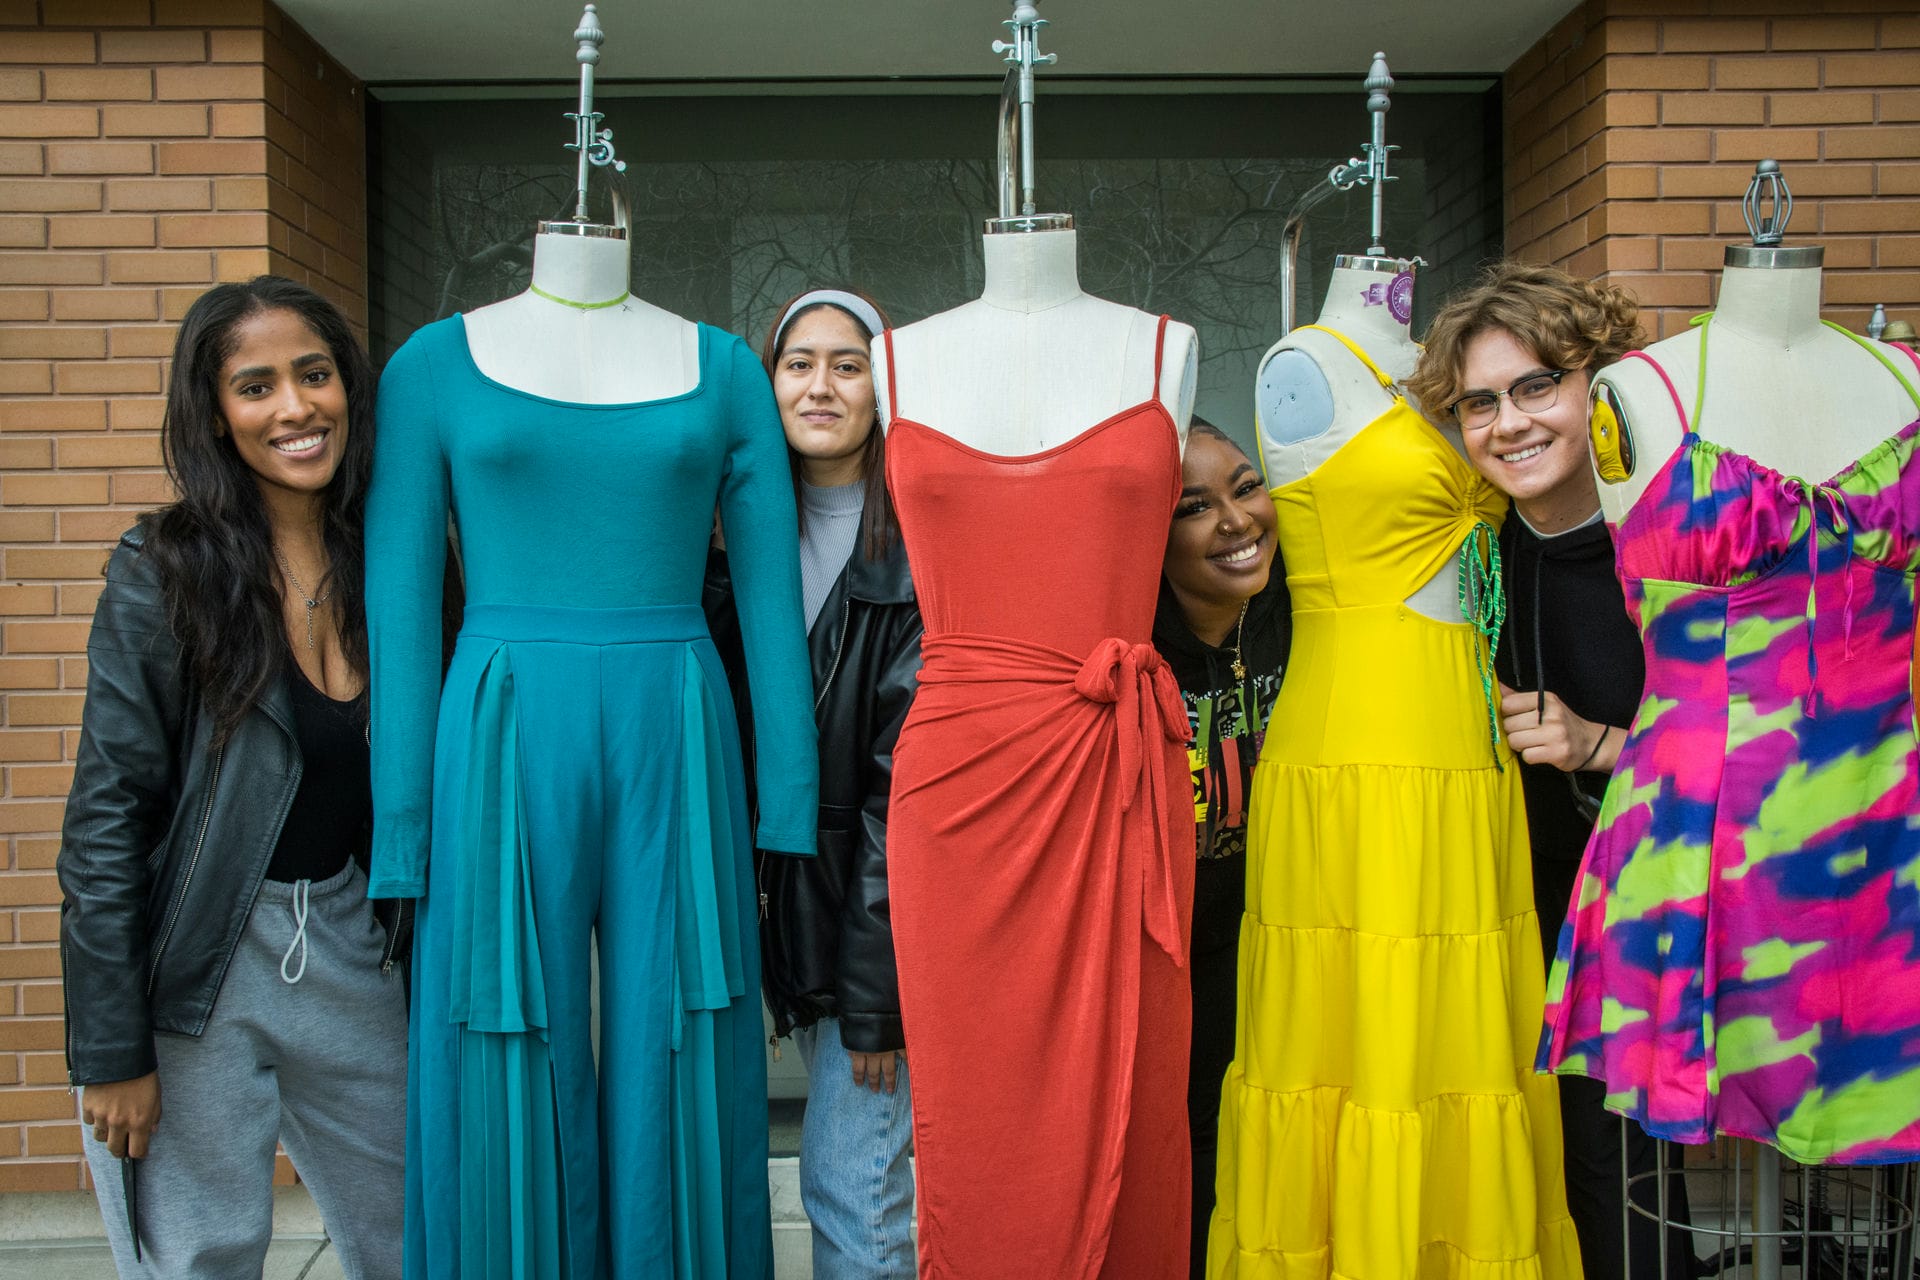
(224, 968)
(826, 930)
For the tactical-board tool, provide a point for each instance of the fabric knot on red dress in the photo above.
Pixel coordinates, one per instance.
(1137, 678)
(1148, 710)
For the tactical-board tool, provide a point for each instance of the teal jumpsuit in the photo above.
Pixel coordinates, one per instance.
(576, 782)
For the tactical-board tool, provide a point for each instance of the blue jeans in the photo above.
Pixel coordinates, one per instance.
(855, 1179)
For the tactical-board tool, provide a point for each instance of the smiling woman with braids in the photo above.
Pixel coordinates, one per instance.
(1223, 626)
(1508, 361)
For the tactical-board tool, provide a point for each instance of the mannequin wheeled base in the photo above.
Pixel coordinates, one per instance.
(1754, 1213)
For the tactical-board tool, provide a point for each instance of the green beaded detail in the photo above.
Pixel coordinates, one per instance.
(1483, 603)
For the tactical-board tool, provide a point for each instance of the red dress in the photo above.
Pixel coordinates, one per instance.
(1040, 855)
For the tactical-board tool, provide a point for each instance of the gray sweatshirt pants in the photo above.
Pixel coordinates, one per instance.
(319, 1064)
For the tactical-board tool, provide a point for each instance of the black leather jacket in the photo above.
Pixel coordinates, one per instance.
(826, 933)
(166, 838)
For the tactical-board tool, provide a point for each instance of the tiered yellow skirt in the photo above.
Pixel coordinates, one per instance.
(1381, 1120)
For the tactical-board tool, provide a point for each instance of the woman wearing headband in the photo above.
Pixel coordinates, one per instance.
(827, 941)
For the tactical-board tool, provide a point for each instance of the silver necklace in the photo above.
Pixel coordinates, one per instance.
(308, 601)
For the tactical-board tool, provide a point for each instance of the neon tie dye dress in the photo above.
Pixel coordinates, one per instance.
(1742, 955)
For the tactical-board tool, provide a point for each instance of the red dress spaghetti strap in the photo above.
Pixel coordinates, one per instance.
(1039, 853)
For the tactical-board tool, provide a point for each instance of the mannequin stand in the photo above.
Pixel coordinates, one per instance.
(1768, 1217)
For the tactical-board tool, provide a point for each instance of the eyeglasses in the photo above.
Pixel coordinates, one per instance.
(1531, 394)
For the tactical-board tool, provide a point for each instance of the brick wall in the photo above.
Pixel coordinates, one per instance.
(1634, 128)
(148, 148)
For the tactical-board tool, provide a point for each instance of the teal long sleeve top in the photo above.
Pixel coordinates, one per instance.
(583, 507)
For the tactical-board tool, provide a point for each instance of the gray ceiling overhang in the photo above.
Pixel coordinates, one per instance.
(831, 41)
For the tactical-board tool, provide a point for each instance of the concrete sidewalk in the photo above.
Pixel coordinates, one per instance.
(57, 1236)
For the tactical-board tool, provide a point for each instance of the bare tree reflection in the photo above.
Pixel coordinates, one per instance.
(727, 242)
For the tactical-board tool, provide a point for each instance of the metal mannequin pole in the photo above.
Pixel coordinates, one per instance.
(1379, 87)
(1016, 153)
(594, 144)
(1372, 171)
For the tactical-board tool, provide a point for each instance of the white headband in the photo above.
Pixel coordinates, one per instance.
(862, 310)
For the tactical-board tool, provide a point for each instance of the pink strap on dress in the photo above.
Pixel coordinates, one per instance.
(1911, 354)
(1677, 406)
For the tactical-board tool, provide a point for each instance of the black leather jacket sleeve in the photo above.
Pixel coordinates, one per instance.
(866, 977)
(125, 784)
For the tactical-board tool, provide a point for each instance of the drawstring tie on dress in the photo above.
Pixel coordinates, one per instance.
(1803, 491)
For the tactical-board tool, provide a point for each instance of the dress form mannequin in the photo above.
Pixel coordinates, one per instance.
(1034, 360)
(1311, 396)
(576, 334)
(1774, 371)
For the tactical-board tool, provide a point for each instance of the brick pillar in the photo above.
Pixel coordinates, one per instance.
(148, 149)
(1634, 127)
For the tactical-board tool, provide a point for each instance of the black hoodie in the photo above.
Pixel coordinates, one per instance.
(1227, 732)
(1567, 631)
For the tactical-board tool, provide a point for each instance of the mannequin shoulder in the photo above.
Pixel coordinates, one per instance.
(1292, 398)
(1180, 375)
(1636, 421)
(1309, 382)
(1648, 388)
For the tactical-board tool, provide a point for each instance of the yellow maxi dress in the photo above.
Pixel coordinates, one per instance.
(1381, 1120)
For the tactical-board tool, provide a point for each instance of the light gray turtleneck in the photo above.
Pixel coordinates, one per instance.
(826, 542)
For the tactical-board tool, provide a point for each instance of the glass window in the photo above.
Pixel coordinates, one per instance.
(740, 202)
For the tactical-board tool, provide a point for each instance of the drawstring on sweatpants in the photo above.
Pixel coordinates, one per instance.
(301, 890)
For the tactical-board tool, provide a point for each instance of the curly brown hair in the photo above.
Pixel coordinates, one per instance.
(1568, 322)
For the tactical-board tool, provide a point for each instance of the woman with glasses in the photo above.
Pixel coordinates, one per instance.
(1508, 362)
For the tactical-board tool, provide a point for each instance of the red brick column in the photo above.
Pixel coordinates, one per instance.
(1633, 129)
(148, 148)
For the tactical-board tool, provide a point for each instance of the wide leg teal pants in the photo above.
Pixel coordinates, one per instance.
(587, 791)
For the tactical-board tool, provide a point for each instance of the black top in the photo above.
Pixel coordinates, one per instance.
(1567, 631)
(332, 812)
(826, 922)
(1228, 718)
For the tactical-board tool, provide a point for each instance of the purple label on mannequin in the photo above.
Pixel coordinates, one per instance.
(1374, 295)
(1400, 297)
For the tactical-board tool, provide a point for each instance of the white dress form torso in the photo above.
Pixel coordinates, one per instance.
(1034, 361)
(584, 354)
(1781, 387)
(1311, 396)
